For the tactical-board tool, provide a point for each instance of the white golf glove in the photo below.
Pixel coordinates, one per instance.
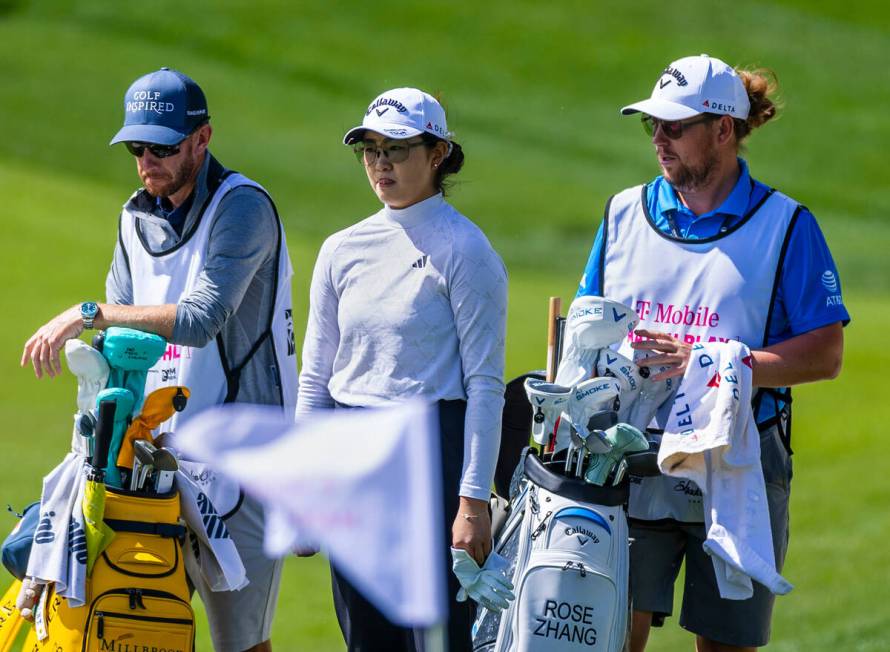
(593, 323)
(488, 585)
(91, 369)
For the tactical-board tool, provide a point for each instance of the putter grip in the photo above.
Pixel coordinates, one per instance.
(103, 433)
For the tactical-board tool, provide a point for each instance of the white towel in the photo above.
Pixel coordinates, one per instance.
(76, 588)
(49, 560)
(210, 552)
(711, 438)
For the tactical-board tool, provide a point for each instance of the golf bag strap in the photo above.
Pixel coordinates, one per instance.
(574, 488)
(782, 418)
(165, 530)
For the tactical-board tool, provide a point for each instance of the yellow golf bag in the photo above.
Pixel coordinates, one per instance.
(137, 594)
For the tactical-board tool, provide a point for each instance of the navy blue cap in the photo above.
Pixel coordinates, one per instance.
(162, 107)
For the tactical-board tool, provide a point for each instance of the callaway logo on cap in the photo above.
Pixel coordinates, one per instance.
(162, 107)
(695, 85)
(402, 113)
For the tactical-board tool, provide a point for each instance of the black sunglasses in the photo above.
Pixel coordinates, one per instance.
(137, 149)
(673, 129)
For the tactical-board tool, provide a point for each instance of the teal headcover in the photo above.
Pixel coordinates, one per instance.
(130, 354)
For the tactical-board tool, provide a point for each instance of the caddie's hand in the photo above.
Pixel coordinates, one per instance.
(669, 352)
(471, 530)
(42, 349)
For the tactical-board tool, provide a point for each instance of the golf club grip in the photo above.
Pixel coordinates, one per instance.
(554, 309)
(103, 433)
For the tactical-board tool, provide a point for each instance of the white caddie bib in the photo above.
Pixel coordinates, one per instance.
(167, 278)
(715, 289)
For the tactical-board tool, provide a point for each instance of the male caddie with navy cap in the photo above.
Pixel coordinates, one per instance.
(706, 236)
(201, 260)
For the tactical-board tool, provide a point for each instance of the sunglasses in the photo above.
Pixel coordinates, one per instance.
(137, 149)
(368, 152)
(673, 129)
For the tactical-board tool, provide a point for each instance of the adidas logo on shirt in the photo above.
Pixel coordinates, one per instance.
(420, 263)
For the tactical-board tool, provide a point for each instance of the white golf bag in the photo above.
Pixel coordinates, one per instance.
(567, 541)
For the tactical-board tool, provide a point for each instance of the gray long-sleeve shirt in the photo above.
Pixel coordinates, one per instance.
(235, 290)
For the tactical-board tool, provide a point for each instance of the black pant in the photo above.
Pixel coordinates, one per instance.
(364, 628)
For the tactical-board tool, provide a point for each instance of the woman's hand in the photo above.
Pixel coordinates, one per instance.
(669, 352)
(471, 530)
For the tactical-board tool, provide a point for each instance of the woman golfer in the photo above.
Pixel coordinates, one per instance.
(411, 302)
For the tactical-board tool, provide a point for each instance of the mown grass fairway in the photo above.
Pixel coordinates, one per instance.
(533, 91)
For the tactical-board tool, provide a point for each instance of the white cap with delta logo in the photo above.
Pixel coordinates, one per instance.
(402, 113)
(694, 85)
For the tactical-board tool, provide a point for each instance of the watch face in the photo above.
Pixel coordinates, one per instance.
(89, 309)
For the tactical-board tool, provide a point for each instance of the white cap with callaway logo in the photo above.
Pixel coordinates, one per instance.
(402, 113)
(694, 85)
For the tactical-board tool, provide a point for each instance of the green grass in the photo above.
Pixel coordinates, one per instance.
(532, 91)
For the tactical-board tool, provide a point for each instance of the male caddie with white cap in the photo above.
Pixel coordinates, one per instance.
(705, 236)
(201, 260)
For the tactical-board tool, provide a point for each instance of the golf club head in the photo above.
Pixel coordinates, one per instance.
(596, 442)
(165, 460)
(602, 420)
(144, 451)
(164, 482)
(147, 469)
(548, 401)
(135, 475)
(620, 470)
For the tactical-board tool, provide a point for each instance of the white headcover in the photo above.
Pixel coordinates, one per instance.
(626, 372)
(593, 323)
(548, 401)
(652, 394)
(91, 370)
(588, 397)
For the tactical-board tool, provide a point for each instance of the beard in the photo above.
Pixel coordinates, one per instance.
(693, 177)
(162, 183)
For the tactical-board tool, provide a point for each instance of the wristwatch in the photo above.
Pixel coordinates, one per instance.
(88, 312)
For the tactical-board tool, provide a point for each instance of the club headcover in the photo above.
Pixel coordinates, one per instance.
(652, 395)
(548, 401)
(588, 398)
(157, 408)
(623, 439)
(626, 372)
(132, 350)
(91, 370)
(124, 402)
(595, 322)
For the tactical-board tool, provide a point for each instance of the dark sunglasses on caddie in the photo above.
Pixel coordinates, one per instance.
(673, 129)
(367, 152)
(137, 149)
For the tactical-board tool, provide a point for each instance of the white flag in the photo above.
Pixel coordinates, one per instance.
(364, 484)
